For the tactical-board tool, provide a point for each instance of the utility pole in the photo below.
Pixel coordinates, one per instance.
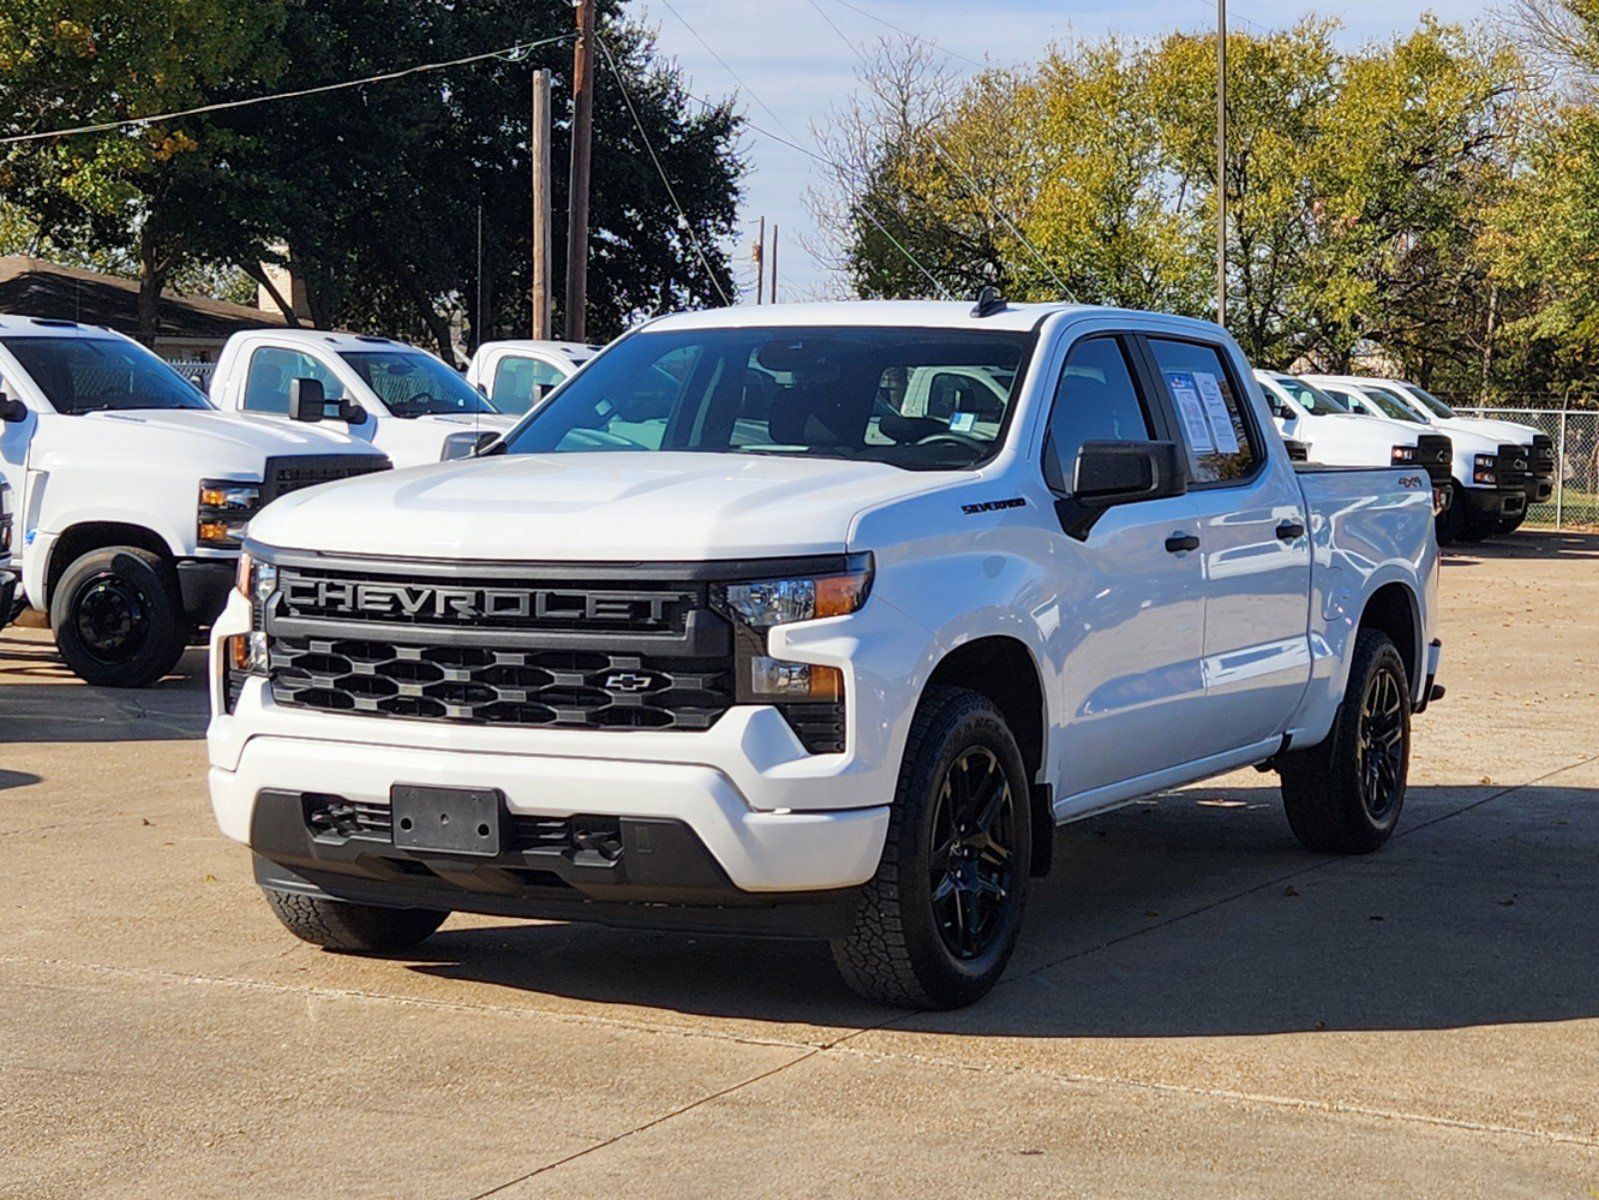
(539, 153)
(774, 262)
(1221, 162)
(577, 224)
(760, 265)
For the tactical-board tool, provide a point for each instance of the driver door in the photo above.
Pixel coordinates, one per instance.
(1130, 637)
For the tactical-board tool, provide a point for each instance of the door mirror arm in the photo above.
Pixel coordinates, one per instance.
(351, 412)
(1108, 474)
(12, 410)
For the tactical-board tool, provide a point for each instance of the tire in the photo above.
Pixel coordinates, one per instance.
(1336, 803)
(117, 615)
(909, 944)
(352, 928)
(1451, 523)
(1511, 524)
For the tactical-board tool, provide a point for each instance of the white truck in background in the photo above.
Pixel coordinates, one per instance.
(1336, 436)
(1490, 480)
(517, 374)
(8, 577)
(394, 397)
(129, 492)
(745, 629)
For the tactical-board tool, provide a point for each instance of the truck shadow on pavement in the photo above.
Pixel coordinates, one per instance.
(42, 701)
(1191, 915)
(1525, 544)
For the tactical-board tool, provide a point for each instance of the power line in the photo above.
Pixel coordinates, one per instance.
(736, 77)
(976, 190)
(508, 52)
(682, 217)
(915, 37)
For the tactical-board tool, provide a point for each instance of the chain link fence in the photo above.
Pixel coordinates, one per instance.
(1575, 503)
(197, 372)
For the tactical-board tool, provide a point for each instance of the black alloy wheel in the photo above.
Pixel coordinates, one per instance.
(112, 618)
(972, 869)
(1381, 747)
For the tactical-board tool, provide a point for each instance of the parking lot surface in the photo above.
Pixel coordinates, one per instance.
(1198, 1007)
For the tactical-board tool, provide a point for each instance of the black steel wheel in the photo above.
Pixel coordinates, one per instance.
(935, 926)
(118, 617)
(1344, 795)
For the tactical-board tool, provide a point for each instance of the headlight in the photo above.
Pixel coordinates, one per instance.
(257, 582)
(1483, 468)
(809, 695)
(458, 445)
(225, 508)
(1404, 454)
(772, 602)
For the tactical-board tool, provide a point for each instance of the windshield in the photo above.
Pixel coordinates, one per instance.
(1309, 397)
(99, 374)
(1381, 394)
(413, 384)
(1390, 405)
(1428, 401)
(921, 399)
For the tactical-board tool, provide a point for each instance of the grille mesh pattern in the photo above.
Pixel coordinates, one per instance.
(1436, 454)
(534, 687)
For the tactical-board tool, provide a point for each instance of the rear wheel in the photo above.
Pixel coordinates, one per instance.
(1344, 795)
(937, 924)
(354, 928)
(117, 615)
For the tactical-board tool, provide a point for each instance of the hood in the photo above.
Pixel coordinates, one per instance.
(1497, 431)
(1346, 425)
(194, 441)
(605, 506)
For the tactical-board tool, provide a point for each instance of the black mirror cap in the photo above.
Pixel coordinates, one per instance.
(1107, 474)
(307, 400)
(350, 412)
(12, 410)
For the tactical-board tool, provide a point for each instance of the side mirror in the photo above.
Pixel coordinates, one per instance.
(484, 441)
(1107, 474)
(12, 410)
(482, 389)
(350, 412)
(307, 401)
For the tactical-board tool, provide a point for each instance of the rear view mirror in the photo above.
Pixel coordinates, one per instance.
(1107, 474)
(12, 410)
(307, 401)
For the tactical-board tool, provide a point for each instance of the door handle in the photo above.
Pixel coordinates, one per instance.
(1178, 542)
(1290, 531)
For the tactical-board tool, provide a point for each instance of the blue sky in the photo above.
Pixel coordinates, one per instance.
(790, 58)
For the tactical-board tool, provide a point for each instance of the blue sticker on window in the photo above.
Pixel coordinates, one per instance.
(962, 422)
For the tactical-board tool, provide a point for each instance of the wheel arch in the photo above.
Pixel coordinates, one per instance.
(1394, 610)
(85, 536)
(1003, 669)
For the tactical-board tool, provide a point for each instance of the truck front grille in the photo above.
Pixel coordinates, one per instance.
(1435, 454)
(290, 472)
(491, 648)
(1543, 457)
(1514, 469)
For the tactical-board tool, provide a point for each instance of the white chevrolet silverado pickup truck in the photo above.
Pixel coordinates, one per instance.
(398, 399)
(8, 576)
(516, 375)
(722, 637)
(130, 492)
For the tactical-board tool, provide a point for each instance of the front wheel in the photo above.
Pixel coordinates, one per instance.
(1344, 795)
(938, 922)
(353, 928)
(117, 615)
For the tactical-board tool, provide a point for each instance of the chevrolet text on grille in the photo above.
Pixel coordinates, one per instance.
(337, 596)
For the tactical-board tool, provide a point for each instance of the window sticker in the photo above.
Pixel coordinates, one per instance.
(962, 422)
(1185, 391)
(1221, 419)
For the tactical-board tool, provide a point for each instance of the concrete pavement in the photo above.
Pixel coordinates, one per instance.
(1198, 1007)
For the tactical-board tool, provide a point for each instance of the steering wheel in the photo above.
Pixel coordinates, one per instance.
(963, 440)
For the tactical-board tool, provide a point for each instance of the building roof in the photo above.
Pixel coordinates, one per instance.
(37, 288)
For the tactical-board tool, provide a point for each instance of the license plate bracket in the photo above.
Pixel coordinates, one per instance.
(447, 820)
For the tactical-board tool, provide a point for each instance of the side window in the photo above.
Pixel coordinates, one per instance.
(1097, 400)
(273, 368)
(520, 383)
(1221, 446)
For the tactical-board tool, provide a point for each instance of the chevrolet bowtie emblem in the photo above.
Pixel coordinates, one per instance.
(627, 681)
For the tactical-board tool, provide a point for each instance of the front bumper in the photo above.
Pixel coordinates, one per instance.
(205, 584)
(1492, 502)
(8, 595)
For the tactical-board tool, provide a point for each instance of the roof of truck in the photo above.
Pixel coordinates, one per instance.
(928, 314)
(339, 341)
(51, 327)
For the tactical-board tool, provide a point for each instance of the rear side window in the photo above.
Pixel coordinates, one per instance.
(521, 382)
(273, 369)
(1220, 441)
(1096, 401)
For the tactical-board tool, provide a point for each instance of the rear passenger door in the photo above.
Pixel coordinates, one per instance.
(1254, 545)
(1131, 598)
